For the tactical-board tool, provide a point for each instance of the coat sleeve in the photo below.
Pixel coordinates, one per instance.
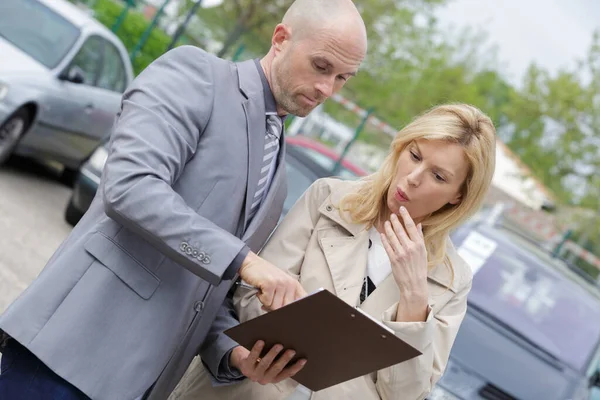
(287, 245)
(415, 378)
(163, 114)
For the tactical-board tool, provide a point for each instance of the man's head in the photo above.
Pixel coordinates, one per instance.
(316, 48)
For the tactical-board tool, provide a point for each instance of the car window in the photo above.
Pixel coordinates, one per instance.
(112, 76)
(298, 180)
(37, 30)
(88, 59)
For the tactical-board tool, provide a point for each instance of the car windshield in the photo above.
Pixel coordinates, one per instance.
(37, 30)
(526, 293)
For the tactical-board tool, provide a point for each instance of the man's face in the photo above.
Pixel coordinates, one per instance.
(306, 72)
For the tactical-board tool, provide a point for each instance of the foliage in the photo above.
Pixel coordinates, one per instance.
(131, 30)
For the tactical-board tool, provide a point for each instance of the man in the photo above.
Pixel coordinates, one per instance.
(193, 186)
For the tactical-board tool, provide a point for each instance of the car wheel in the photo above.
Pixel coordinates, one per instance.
(11, 132)
(72, 214)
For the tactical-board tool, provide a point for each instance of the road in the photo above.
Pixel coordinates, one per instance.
(32, 203)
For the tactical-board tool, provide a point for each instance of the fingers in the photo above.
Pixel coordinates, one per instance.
(409, 225)
(291, 371)
(255, 353)
(275, 368)
(286, 290)
(388, 247)
(392, 237)
(399, 231)
(300, 292)
(266, 361)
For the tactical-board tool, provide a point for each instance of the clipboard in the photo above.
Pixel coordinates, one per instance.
(340, 342)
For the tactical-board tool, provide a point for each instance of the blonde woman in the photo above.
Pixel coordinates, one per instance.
(382, 244)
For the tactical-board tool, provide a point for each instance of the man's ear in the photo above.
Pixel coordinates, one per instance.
(281, 34)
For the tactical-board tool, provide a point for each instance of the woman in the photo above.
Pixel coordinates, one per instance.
(383, 244)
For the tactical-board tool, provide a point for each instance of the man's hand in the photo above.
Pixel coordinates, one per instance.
(264, 370)
(275, 287)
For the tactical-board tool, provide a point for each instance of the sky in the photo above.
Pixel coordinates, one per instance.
(552, 33)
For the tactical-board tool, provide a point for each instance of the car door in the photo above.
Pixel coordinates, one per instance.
(111, 84)
(75, 115)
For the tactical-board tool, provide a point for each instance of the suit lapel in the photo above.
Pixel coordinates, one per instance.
(254, 109)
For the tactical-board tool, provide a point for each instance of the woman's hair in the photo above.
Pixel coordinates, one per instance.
(454, 123)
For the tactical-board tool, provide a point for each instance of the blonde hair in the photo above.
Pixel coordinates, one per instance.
(455, 123)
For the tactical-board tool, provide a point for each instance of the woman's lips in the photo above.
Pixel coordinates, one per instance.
(401, 196)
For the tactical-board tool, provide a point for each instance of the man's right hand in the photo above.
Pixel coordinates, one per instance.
(275, 287)
(264, 370)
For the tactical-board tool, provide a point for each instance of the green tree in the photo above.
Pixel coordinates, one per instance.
(130, 32)
(555, 128)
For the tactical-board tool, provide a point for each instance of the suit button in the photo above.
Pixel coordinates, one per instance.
(198, 306)
(329, 208)
(206, 259)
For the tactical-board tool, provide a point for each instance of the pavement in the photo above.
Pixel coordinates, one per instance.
(32, 225)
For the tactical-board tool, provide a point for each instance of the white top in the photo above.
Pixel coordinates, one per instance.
(378, 268)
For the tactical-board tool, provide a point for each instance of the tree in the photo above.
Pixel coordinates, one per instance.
(555, 128)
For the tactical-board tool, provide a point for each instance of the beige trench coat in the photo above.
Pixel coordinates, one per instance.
(321, 248)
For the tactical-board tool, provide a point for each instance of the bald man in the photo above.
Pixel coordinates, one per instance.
(316, 48)
(193, 186)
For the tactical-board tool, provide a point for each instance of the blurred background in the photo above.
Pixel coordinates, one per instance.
(532, 65)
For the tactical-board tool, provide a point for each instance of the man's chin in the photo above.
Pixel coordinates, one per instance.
(302, 111)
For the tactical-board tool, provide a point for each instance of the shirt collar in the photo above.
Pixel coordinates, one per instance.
(270, 105)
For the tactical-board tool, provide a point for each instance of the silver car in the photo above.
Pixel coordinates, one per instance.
(62, 74)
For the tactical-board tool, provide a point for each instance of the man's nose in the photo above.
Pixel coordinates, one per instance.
(325, 87)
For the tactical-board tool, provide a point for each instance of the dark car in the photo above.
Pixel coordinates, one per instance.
(302, 171)
(532, 327)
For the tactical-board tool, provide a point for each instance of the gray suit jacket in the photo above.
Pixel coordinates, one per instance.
(129, 297)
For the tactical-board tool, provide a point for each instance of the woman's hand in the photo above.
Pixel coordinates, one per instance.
(405, 247)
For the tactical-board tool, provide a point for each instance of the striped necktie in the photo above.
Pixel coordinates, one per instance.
(271, 150)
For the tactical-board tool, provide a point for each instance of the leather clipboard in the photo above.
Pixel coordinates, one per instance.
(340, 342)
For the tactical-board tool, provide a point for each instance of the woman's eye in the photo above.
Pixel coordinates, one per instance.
(439, 178)
(414, 156)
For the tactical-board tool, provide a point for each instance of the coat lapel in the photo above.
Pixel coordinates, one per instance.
(345, 252)
(254, 109)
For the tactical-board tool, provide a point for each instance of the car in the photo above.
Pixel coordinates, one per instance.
(325, 156)
(62, 76)
(532, 328)
(301, 171)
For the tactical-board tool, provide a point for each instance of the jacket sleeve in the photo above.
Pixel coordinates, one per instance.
(287, 245)
(163, 114)
(415, 378)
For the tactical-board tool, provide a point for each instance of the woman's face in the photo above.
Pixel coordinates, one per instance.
(429, 175)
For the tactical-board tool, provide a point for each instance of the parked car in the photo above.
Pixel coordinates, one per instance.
(325, 156)
(62, 75)
(532, 328)
(301, 170)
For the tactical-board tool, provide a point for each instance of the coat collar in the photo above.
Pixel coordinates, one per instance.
(441, 274)
(330, 207)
